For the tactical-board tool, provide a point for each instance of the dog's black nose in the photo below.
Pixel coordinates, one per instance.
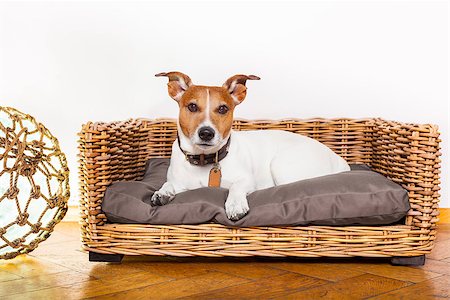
(206, 133)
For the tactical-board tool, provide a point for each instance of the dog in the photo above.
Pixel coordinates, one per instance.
(208, 152)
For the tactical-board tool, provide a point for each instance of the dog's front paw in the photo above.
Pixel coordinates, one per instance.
(160, 198)
(236, 209)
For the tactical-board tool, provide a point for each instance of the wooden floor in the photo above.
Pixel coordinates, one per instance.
(58, 269)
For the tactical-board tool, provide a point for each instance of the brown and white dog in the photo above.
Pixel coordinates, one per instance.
(245, 161)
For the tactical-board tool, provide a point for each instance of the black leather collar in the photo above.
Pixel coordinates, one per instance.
(205, 159)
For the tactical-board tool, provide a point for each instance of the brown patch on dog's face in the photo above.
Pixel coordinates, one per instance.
(206, 112)
(206, 104)
(221, 110)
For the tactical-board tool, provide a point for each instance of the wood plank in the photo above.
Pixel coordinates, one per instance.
(95, 269)
(172, 269)
(359, 287)
(6, 276)
(170, 266)
(66, 248)
(394, 272)
(265, 288)
(57, 238)
(443, 232)
(319, 293)
(54, 293)
(436, 288)
(249, 270)
(28, 266)
(436, 266)
(440, 251)
(180, 288)
(326, 271)
(238, 266)
(94, 288)
(69, 228)
(176, 269)
(33, 283)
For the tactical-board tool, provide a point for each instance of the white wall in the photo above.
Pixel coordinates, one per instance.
(67, 63)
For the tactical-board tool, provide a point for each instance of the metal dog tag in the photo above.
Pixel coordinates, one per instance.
(214, 176)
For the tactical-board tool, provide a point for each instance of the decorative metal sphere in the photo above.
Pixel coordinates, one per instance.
(34, 183)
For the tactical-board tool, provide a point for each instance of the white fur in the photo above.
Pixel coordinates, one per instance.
(231, 89)
(256, 160)
(207, 122)
(182, 84)
(208, 106)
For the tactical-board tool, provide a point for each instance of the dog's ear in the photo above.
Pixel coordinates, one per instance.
(235, 85)
(178, 83)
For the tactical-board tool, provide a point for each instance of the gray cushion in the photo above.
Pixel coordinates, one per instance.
(356, 197)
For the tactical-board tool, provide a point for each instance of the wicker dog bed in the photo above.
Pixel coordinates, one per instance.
(406, 153)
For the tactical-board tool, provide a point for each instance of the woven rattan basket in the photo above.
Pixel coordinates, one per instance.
(406, 153)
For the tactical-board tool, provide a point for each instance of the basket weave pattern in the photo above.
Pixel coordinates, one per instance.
(406, 153)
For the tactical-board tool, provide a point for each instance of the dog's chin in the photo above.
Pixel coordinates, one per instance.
(205, 146)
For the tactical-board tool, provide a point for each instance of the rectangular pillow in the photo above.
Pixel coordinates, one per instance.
(356, 197)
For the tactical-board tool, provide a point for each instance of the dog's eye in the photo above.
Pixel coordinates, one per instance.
(223, 109)
(192, 107)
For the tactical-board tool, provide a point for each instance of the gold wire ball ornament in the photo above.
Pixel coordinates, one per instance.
(34, 183)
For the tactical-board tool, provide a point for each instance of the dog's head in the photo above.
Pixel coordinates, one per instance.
(206, 112)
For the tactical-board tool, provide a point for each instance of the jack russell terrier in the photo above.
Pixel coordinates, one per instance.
(208, 153)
